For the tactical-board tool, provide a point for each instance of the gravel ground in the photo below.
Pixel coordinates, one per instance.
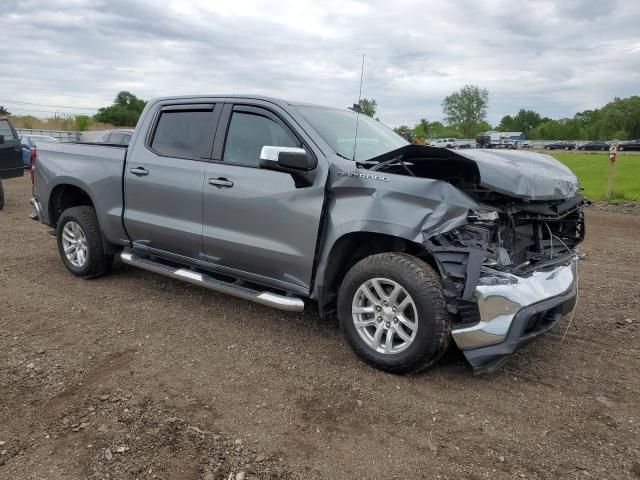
(138, 376)
(622, 206)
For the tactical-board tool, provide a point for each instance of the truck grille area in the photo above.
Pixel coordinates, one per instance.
(501, 242)
(524, 236)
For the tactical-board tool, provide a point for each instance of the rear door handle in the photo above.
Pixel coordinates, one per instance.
(139, 171)
(221, 182)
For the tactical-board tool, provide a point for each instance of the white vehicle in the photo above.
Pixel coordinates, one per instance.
(443, 143)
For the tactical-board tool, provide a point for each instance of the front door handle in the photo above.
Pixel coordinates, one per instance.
(221, 182)
(139, 171)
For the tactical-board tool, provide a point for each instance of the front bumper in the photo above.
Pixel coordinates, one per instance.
(513, 311)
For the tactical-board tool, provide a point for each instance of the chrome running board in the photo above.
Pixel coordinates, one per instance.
(291, 304)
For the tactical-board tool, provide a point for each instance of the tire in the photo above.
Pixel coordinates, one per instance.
(426, 310)
(1, 195)
(602, 149)
(620, 148)
(95, 262)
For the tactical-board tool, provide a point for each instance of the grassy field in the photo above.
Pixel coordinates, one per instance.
(593, 168)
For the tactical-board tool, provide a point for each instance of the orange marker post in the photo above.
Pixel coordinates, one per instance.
(613, 150)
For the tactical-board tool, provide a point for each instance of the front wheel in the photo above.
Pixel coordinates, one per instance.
(392, 312)
(80, 243)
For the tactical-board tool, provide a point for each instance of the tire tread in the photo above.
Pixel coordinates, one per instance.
(99, 262)
(429, 286)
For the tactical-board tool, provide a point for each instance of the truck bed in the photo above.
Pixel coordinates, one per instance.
(93, 167)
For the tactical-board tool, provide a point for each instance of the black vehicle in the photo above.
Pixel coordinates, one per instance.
(629, 145)
(560, 146)
(595, 145)
(10, 154)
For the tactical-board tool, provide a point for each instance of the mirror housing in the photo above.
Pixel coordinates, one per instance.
(292, 160)
(286, 158)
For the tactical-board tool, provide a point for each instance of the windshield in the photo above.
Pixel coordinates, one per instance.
(338, 129)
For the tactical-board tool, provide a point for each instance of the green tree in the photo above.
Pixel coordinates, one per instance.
(466, 108)
(368, 106)
(4, 112)
(125, 111)
(507, 124)
(405, 132)
(620, 135)
(82, 122)
(421, 130)
(438, 130)
(523, 121)
(483, 126)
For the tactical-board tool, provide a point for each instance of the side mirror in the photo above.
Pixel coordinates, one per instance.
(286, 159)
(292, 160)
(1, 139)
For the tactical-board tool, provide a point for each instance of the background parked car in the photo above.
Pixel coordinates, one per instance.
(595, 145)
(10, 156)
(560, 146)
(29, 145)
(629, 145)
(117, 137)
(443, 143)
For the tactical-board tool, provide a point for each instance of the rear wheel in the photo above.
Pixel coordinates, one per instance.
(1, 196)
(392, 312)
(621, 147)
(80, 243)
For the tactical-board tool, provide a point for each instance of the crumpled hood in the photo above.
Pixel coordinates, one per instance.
(527, 175)
(517, 174)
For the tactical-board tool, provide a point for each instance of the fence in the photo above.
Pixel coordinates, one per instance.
(62, 135)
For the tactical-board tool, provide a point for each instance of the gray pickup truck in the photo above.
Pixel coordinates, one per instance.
(286, 203)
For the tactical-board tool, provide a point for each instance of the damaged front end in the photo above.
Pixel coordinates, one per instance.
(509, 275)
(509, 269)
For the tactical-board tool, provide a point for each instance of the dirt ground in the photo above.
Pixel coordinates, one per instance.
(138, 376)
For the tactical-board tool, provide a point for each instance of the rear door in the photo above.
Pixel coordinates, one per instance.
(257, 224)
(164, 179)
(10, 151)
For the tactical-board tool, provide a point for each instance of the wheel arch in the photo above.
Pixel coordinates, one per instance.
(64, 196)
(352, 247)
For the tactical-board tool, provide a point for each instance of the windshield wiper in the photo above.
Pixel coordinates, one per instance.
(386, 163)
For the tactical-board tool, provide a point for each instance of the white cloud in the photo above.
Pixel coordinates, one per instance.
(553, 57)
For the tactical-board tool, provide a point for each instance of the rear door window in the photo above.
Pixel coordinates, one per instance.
(185, 133)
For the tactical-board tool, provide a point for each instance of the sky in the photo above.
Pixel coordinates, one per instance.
(554, 57)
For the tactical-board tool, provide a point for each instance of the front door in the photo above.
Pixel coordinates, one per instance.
(164, 180)
(257, 224)
(10, 151)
